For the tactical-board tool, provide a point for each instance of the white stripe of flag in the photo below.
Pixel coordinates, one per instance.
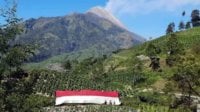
(87, 97)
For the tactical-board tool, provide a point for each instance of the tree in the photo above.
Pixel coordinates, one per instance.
(187, 77)
(14, 86)
(188, 25)
(152, 51)
(12, 54)
(171, 28)
(181, 25)
(174, 50)
(195, 18)
(155, 63)
(67, 65)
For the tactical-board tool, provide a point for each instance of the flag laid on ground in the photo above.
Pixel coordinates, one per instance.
(87, 97)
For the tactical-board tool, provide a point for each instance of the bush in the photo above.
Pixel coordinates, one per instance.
(154, 98)
(34, 103)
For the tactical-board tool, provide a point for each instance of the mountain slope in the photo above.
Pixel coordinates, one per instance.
(103, 13)
(75, 33)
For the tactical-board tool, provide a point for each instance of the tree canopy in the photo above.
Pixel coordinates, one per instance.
(188, 25)
(181, 25)
(170, 28)
(195, 18)
(16, 86)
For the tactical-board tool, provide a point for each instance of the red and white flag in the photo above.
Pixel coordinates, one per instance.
(87, 97)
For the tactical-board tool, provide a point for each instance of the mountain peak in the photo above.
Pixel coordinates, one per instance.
(103, 13)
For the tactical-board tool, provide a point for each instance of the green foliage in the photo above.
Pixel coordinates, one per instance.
(173, 45)
(35, 103)
(50, 81)
(137, 64)
(150, 98)
(186, 80)
(188, 25)
(187, 76)
(67, 65)
(89, 74)
(152, 51)
(12, 55)
(138, 78)
(14, 102)
(170, 87)
(16, 85)
(174, 49)
(17, 55)
(2, 101)
(171, 60)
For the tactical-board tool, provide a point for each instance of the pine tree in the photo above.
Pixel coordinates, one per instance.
(171, 28)
(188, 25)
(181, 25)
(195, 18)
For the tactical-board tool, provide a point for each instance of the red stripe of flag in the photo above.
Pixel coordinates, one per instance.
(87, 93)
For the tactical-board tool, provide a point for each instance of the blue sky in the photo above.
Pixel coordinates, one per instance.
(148, 18)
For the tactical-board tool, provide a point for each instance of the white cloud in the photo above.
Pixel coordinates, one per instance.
(121, 7)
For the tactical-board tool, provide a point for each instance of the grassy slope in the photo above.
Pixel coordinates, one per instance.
(125, 57)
